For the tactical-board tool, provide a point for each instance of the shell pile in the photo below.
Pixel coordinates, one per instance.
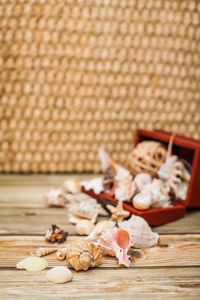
(83, 255)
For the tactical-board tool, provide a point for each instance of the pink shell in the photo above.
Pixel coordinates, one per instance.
(140, 232)
(116, 242)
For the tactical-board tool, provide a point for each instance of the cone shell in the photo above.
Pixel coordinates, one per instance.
(140, 232)
(83, 255)
(45, 251)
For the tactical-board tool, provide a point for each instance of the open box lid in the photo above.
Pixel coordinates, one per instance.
(185, 148)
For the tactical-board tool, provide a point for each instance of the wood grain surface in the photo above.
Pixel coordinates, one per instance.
(170, 270)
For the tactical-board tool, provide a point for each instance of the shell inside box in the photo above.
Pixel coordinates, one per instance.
(185, 148)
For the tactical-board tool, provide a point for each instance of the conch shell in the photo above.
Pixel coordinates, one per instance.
(100, 226)
(116, 242)
(83, 255)
(140, 232)
(117, 180)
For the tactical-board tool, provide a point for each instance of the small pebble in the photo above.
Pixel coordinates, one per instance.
(59, 274)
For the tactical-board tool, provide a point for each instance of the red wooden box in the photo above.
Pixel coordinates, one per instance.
(187, 149)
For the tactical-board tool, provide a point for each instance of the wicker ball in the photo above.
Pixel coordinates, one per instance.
(146, 157)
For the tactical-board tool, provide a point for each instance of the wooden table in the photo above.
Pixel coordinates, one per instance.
(169, 270)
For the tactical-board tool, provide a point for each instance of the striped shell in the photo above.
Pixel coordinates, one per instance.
(83, 255)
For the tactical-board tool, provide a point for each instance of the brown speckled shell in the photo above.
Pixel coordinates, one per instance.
(83, 255)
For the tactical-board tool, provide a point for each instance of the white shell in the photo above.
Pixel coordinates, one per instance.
(72, 186)
(142, 201)
(141, 180)
(59, 274)
(84, 227)
(100, 226)
(55, 197)
(125, 189)
(182, 189)
(159, 193)
(32, 264)
(141, 234)
(95, 184)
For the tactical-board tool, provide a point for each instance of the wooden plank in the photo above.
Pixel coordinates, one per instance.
(174, 250)
(36, 220)
(162, 283)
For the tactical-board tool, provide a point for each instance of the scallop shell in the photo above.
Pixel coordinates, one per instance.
(141, 180)
(72, 186)
(140, 232)
(83, 255)
(59, 274)
(32, 264)
(116, 242)
(84, 227)
(142, 201)
(100, 226)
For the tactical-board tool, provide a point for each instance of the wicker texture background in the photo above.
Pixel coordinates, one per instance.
(75, 75)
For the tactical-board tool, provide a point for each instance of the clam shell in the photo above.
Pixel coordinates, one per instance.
(140, 232)
(84, 227)
(32, 264)
(59, 274)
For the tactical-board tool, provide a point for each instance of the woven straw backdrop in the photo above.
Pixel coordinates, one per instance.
(75, 75)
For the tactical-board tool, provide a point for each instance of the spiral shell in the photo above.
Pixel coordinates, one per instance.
(83, 255)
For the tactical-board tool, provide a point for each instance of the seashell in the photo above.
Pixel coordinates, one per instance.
(75, 219)
(87, 210)
(141, 180)
(72, 186)
(159, 193)
(95, 184)
(125, 189)
(84, 227)
(55, 198)
(61, 254)
(32, 264)
(45, 251)
(142, 201)
(116, 242)
(100, 226)
(173, 169)
(113, 173)
(83, 255)
(55, 234)
(140, 232)
(182, 189)
(59, 274)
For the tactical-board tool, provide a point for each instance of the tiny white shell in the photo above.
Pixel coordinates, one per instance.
(84, 227)
(142, 200)
(32, 264)
(59, 274)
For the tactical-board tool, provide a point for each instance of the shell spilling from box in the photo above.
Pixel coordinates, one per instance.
(152, 178)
